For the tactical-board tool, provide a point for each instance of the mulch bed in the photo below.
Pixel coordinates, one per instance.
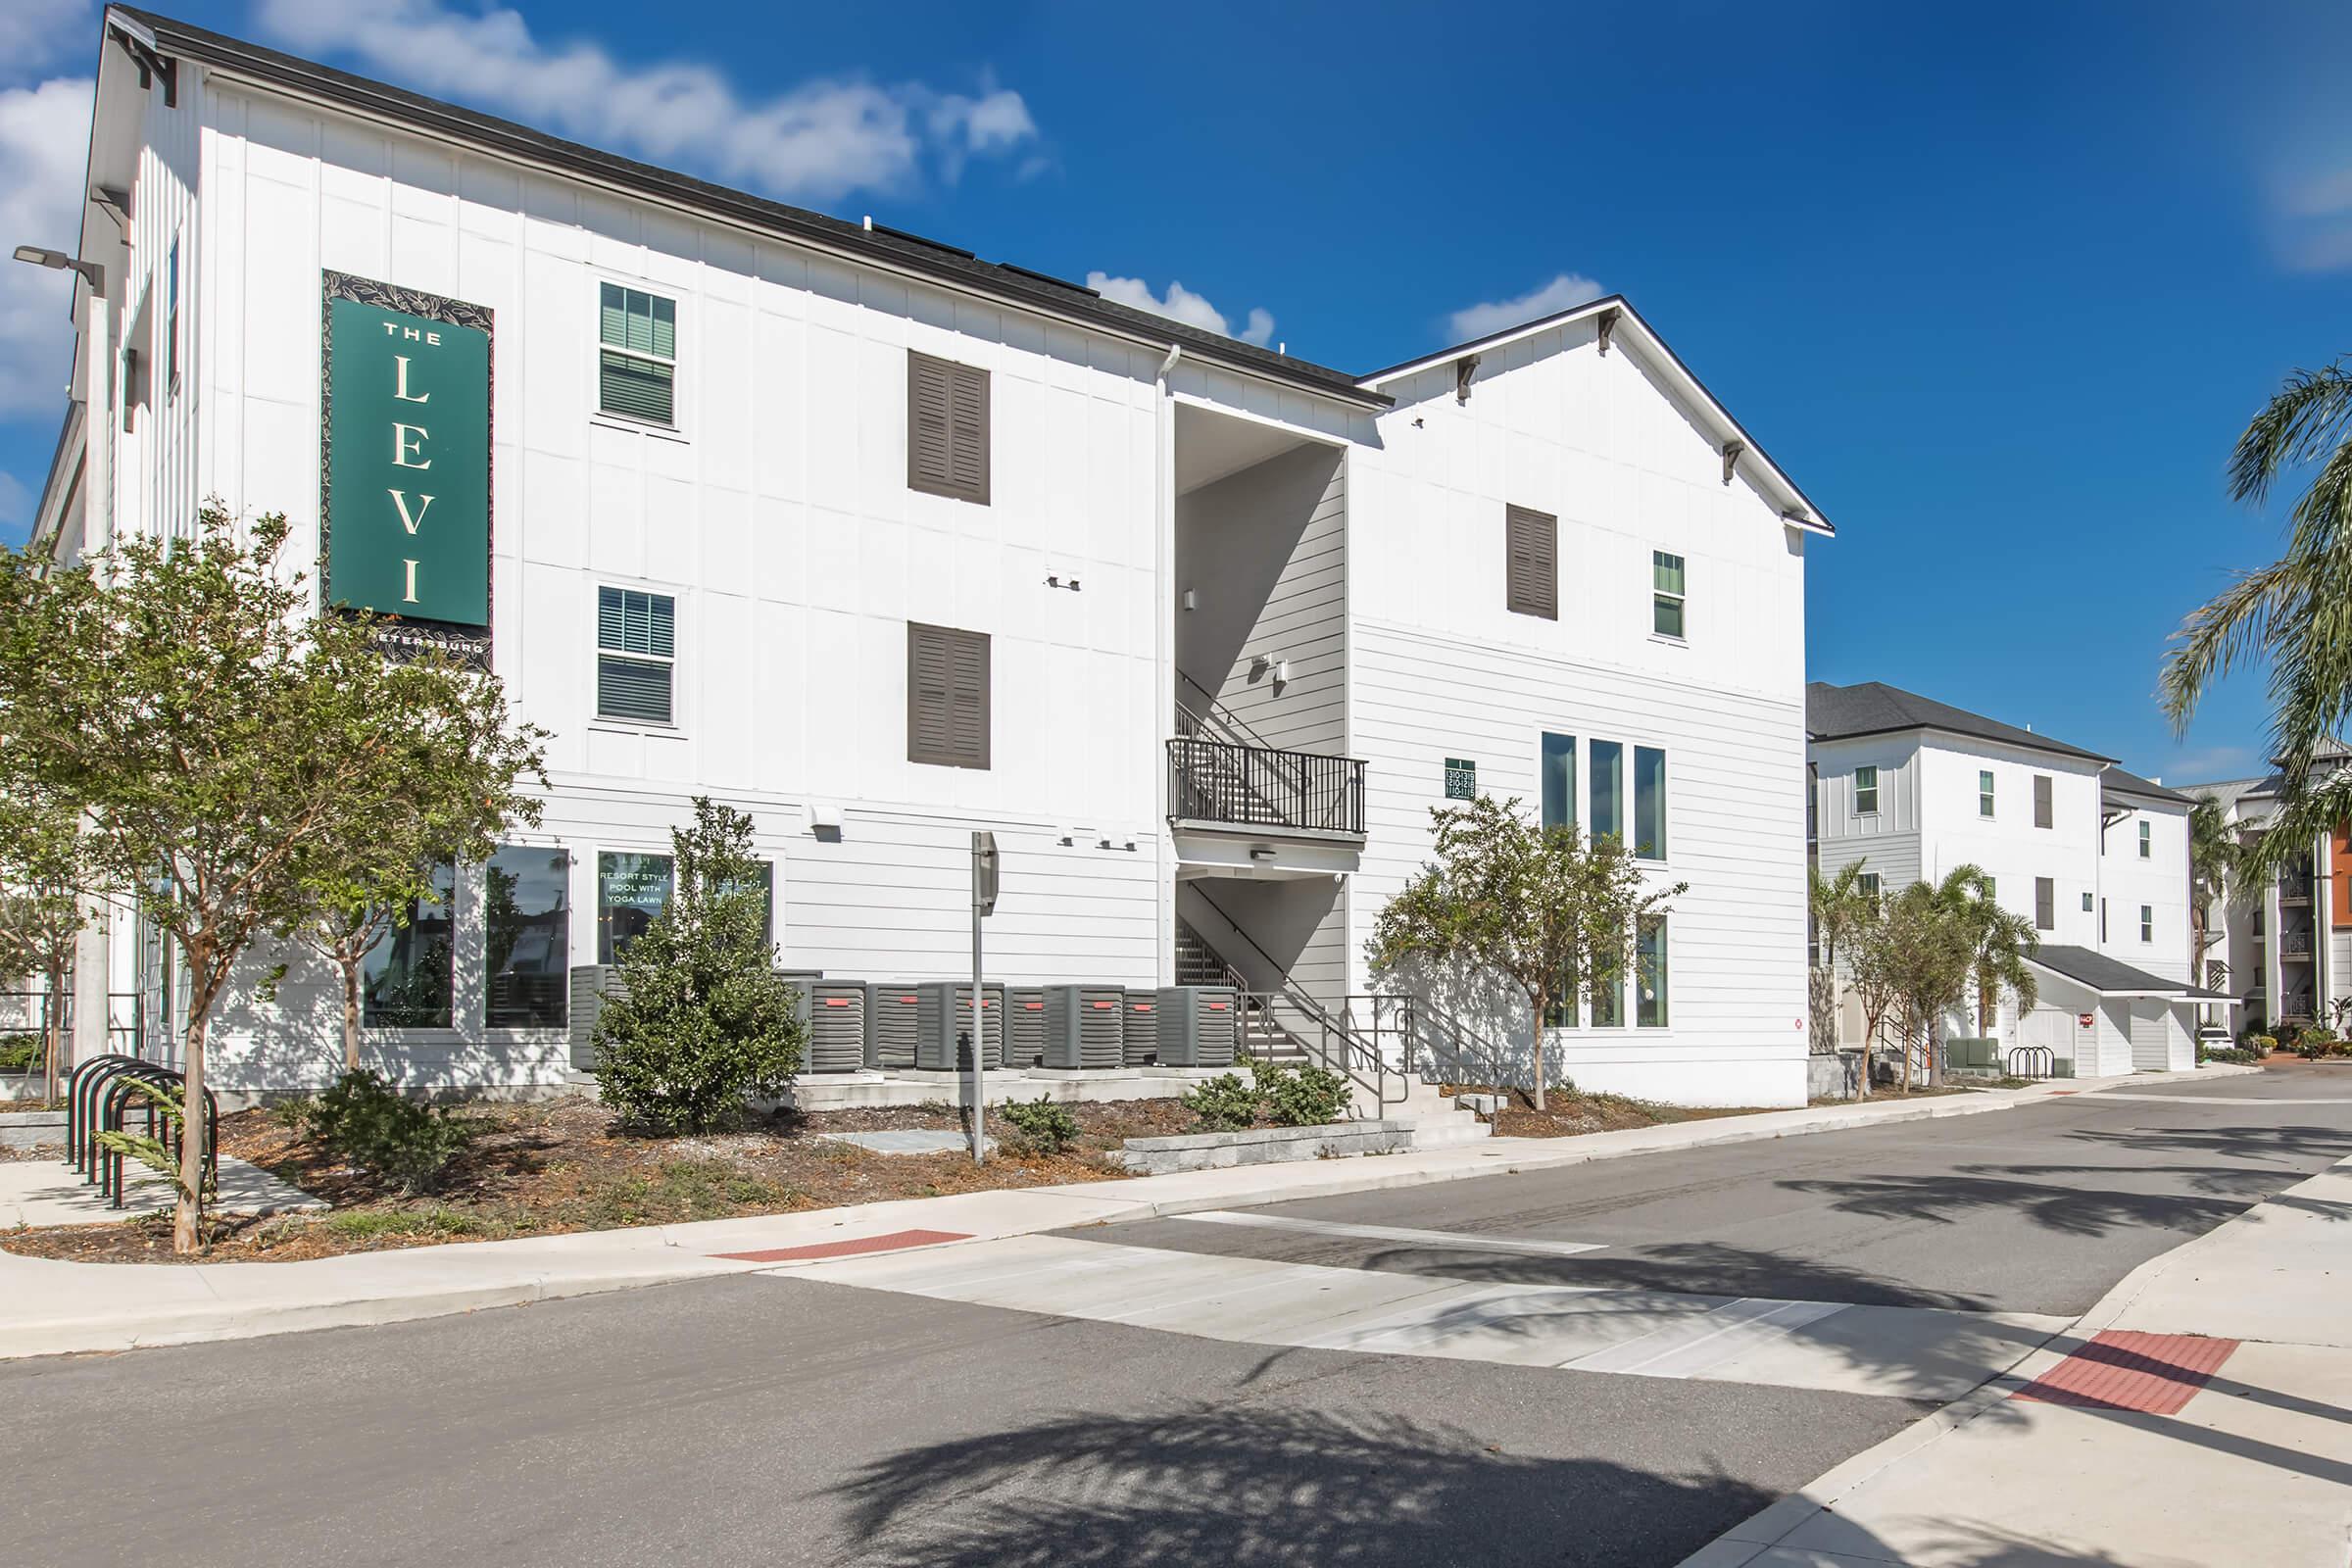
(542, 1167)
(1571, 1114)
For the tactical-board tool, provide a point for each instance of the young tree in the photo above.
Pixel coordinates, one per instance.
(1998, 942)
(216, 730)
(1538, 909)
(2214, 854)
(449, 781)
(1874, 969)
(1837, 904)
(1933, 956)
(41, 909)
(700, 1020)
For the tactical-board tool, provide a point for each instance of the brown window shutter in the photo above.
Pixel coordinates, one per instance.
(947, 428)
(2042, 800)
(1530, 569)
(947, 703)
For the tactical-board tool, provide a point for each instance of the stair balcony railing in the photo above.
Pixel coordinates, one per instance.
(1222, 771)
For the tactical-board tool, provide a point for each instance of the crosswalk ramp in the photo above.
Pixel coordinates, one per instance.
(1906, 1353)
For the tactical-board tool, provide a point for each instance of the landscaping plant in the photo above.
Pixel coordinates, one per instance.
(702, 1020)
(1045, 1125)
(1300, 1093)
(1224, 1104)
(385, 1134)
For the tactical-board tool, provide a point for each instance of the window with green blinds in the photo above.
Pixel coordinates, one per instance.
(636, 642)
(1666, 594)
(637, 367)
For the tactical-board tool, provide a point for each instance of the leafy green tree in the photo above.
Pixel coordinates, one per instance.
(42, 907)
(1538, 909)
(2289, 616)
(1930, 960)
(2214, 868)
(1837, 904)
(216, 730)
(700, 1020)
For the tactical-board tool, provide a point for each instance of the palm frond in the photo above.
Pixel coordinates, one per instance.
(2307, 416)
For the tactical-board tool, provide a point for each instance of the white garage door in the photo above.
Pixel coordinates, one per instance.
(2150, 1048)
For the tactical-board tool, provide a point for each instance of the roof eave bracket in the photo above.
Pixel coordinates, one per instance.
(1606, 323)
(1464, 368)
(152, 63)
(1731, 451)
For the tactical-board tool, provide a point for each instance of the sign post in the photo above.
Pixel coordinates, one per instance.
(984, 904)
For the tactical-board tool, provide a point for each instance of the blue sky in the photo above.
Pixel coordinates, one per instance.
(1997, 284)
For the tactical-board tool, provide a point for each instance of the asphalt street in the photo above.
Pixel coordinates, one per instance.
(788, 1418)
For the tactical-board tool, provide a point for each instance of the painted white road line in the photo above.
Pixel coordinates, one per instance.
(1462, 1241)
(2212, 1099)
(1909, 1353)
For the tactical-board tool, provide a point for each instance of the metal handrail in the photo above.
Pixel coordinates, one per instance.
(1356, 1057)
(1452, 1051)
(1218, 781)
(1237, 728)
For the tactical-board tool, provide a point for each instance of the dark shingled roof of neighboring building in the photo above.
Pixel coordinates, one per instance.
(2109, 976)
(2115, 781)
(1873, 707)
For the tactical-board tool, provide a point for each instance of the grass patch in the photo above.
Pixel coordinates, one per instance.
(362, 1224)
(676, 1191)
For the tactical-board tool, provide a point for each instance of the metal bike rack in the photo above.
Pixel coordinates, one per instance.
(2032, 1061)
(102, 1091)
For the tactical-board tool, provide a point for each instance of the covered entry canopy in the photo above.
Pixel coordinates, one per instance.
(2107, 1017)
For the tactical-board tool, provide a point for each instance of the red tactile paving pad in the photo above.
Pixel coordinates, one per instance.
(888, 1242)
(2152, 1373)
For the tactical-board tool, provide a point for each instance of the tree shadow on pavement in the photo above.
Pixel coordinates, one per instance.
(2312, 1148)
(1239, 1488)
(1685, 1268)
(2068, 1209)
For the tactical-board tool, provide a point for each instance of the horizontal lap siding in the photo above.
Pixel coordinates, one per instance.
(1736, 833)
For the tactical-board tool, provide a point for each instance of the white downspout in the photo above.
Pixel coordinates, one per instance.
(1164, 706)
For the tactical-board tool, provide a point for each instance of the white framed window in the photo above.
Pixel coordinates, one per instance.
(1868, 882)
(636, 656)
(1866, 791)
(1666, 595)
(1984, 791)
(1649, 974)
(2145, 844)
(2147, 922)
(637, 355)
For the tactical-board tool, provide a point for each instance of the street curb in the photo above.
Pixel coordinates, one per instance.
(227, 1320)
(1762, 1531)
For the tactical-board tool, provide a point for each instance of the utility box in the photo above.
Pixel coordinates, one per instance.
(1197, 1025)
(833, 1014)
(892, 1024)
(1024, 1027)
(938, 1026)
(1139, 1038)
(591, 983)
(1085, 1027)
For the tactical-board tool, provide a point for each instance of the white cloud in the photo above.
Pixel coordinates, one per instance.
(1562, 292)
(44, 149)
(2311, 218)
(35, 32)
(816, 141)
(1181, 303)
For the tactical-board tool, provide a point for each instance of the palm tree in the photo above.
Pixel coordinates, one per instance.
(1838, 905)
(2294, 615)
(1998, 943)
(2214, 854)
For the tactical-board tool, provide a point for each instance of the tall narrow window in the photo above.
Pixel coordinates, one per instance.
(1649, 802)
(2147, 922)
(1984, 792)
(1650, 975)
(637, 365)
(1609, 997)
(404, 979)
(636, 657)
(1558, 767)
(2045, 903)
(946, 696)
(1866, 791)
(1665, 594)
(1531, 562)
(527, 933)
(171, 321)
(2145, 848)
(630, 890)
(2042, 815)
(1868, 882)
(947, 428)
(1608, 790)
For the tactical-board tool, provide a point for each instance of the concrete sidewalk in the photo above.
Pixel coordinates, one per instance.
(2200, 1416)
(49, 1307)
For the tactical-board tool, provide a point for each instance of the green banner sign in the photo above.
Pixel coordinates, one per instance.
(405, 504)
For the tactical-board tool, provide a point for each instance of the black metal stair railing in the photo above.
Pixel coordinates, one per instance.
(1251, 786)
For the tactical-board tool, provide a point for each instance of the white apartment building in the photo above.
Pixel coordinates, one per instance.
(2283, 944)
(882, 543)
(2096, 858)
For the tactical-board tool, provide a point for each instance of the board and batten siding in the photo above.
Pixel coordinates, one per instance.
(1735, 774)
(1264, 553)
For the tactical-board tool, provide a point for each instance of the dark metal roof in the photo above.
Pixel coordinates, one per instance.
(908, 252)
(1873, 707)
(2111, 977)
(2131, 786)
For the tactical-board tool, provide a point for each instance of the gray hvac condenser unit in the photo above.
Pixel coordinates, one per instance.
(591, 983)
(937, 1028)
(1085, 1026)
(1024, 1027)
(892, 1023)
(833, 1011)
(1197, 1025)
(1140, 1034)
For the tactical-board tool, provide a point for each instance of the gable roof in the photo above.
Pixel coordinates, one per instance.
(890, 249)
(2111, 977)
(1797, 508)
(1874, 708)
(2132, 787)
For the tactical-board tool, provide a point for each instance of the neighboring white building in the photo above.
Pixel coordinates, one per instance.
(2096, 858)
(882, 543)
(2284, 943)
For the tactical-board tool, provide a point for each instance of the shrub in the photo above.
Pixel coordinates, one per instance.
(385, 1134)
(20, 1053)
(1224, 1104)
(705, 1022)
(2263, 1044)
(1046, 1126)
(2228, 1054)
(1301, 1095)
(296, 1114)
